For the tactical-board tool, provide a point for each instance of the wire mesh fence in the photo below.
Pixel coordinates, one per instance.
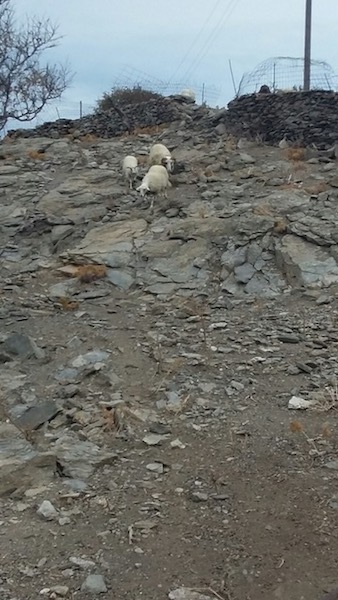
(286, 73)
(130, 77)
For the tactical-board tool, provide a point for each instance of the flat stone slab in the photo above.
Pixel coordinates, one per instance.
(305, 264)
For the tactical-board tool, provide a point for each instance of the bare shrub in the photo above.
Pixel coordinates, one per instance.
(119, 97)
(25, 85)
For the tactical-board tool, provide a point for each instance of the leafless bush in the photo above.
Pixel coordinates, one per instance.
(25, 85)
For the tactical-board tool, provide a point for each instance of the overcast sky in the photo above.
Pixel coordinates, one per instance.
(185, 42)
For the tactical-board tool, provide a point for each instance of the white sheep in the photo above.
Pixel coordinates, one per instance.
(130, 169)
(160, 155)
(155, 181)
(188, 93)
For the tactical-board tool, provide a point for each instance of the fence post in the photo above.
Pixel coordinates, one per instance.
(81, 109)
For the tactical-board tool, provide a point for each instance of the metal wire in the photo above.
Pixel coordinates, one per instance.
(286, 73)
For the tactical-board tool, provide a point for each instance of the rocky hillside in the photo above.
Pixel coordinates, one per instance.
(264, 222)
(168, 380)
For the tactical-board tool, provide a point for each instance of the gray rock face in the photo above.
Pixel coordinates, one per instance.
(305, 264)
(20, 464)
(147, 361)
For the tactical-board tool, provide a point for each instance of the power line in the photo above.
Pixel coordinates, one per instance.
(226, 14)
(213, 35)
(218, 2)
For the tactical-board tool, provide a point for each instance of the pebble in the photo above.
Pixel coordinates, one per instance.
(198, 497)
(58, 590)
(298, 403)
(155, 467)
(187, 594)
(94, 584)
(47, 511)
(82, 563)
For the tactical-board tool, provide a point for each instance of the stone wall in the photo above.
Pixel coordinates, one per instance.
(303, 117)
(111, 124)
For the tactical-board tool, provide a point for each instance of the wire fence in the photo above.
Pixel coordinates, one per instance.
(129, 77)
(286, 73)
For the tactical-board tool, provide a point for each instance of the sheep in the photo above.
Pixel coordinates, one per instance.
(156, 181)
(160, 155)
(188, 93)
(130, 169)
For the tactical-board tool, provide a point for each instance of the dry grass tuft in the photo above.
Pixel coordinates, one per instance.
(230, 143)
(280, 225)
(68, 304)
(208, 172)
(117, 418)
(151, 130)
(316, 188)
(85, 273)
(297, 427)
(263, 210)
(36, 154)
(328, 399)
(88, 137)
(89, 273)
(142, 159)
(295, 154)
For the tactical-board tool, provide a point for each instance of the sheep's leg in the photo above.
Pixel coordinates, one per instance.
(151, 208)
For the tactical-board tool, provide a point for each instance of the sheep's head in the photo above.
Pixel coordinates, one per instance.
(143, 189)
(168, 163)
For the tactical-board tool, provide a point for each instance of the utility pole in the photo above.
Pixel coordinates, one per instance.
(307, 46)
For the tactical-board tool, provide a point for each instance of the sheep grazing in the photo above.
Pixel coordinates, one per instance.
(130, 169)
(160, 155)
(156, 181)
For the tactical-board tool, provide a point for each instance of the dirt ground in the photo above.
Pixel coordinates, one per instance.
(261, 525)
(237, 502)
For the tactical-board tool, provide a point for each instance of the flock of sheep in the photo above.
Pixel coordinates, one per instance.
(156, 180)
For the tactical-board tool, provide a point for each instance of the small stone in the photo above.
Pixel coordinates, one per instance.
(293, 370)
(247, 158)
(82, 563)
(288, 338)
(155, 467)
(23, 346)
(199, 497)
(47, 511)
(332, 464)
(305, 367)
(298, 403)
(60, 590)
(159, 428)
(77, 485)
(154, 439)
(187, 594)
(64, 521)
(237, 385)
(323, 299)
(94, 584)
(219, 325)
(177, 444)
